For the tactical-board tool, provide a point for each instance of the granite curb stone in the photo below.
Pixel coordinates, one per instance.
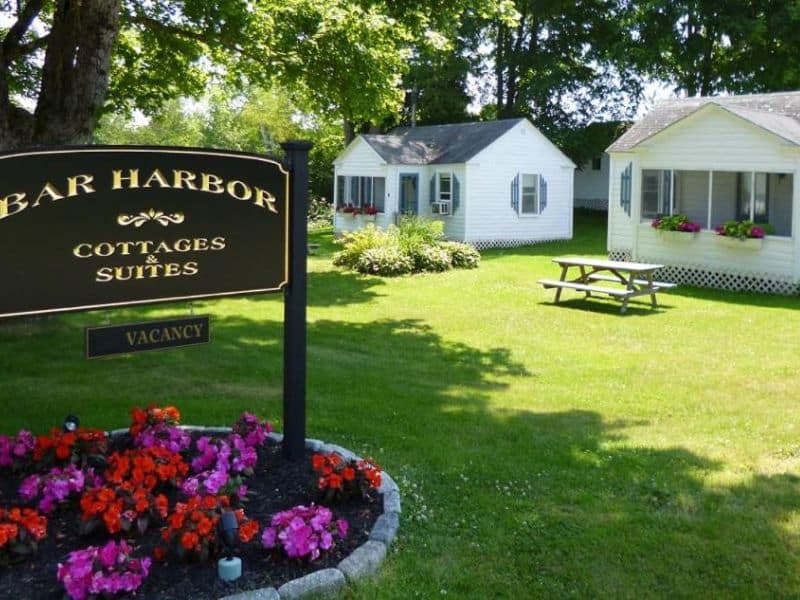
(319, 584)
(385, 528)
(391, 502)
(364, 561)
(387, 484)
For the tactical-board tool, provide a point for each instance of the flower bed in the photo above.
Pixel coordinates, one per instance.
(170, 535)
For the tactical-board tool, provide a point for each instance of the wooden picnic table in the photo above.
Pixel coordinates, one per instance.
(636, 278)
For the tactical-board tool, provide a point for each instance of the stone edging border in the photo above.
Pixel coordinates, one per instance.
(364, 560)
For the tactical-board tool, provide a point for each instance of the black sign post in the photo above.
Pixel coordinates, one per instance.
(294, 306)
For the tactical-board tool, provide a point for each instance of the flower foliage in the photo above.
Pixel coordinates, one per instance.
(57, 486)
(304, 531)
(220, 462)
(130, 496)
(102, 571)
(218, 465)
(161, 435)
(677, 222)
(253, 432)
(119, 508)
(70, 446)
(146, 467)
(191, 529)
(151, 416)
(340, 479)
(20, 530)
(741, 230)
(16, 451)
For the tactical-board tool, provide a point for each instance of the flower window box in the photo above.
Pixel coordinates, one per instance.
(741, 243)
(676, 237)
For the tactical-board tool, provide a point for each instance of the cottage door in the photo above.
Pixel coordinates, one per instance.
(409, 193)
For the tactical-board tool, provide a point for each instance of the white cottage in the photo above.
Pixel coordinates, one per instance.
(591, 184)
(714, 160)
(494, 183)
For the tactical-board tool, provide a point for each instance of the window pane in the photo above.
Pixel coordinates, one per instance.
(760, 199)
(366, 191)
(445, 187)
(352, 197)
(691, 195)
(779, 203)
(529, 194)
(656, 187)
(743, 196)
(724, 197)
(340, 199)
(380, 193)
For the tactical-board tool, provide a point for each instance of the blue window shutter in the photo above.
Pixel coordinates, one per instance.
(433, 189)
(542, 194)
(456, 194)
(515, 193)
(625, 189)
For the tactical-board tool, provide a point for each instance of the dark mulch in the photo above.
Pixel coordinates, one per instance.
(276, 485)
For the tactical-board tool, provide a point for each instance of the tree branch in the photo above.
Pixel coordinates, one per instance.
(198, 36)
(18, 30)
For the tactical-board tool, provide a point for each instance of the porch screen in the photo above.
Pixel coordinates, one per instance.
(361, 191)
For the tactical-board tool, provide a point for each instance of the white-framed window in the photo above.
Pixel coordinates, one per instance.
(360, 192)
(528, 194)
(710, 198)
(444, 193)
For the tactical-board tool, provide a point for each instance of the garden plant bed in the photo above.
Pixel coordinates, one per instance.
(276, 485)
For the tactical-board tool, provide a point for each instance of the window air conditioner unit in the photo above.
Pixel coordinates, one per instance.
(440, 208)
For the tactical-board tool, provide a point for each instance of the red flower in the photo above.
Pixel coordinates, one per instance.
(190, 540)
(247, 530)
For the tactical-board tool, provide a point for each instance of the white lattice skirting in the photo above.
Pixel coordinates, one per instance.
(738, 282)
(485, 244)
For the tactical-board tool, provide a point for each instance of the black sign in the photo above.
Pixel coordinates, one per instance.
(150, 335)
(102, 226)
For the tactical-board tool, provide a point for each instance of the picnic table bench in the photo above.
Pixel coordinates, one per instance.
(636, 279)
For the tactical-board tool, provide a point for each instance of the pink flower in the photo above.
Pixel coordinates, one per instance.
(303, 531)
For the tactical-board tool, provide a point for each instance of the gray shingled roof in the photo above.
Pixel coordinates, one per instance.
(437, 144)
(778, 113)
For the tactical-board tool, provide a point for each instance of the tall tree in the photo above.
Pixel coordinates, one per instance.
(73, 59)
(558, 65)
(704, 47)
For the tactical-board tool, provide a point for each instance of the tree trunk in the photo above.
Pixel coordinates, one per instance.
(349, 131)
(499, 66)
(74, 78)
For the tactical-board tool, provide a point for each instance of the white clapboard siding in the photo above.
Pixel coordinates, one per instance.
(712, 139)
(489, 214)
(715, 139)
(620, 224)
(706, 251)
(455, 224)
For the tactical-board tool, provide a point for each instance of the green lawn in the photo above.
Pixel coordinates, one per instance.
(542, 451)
